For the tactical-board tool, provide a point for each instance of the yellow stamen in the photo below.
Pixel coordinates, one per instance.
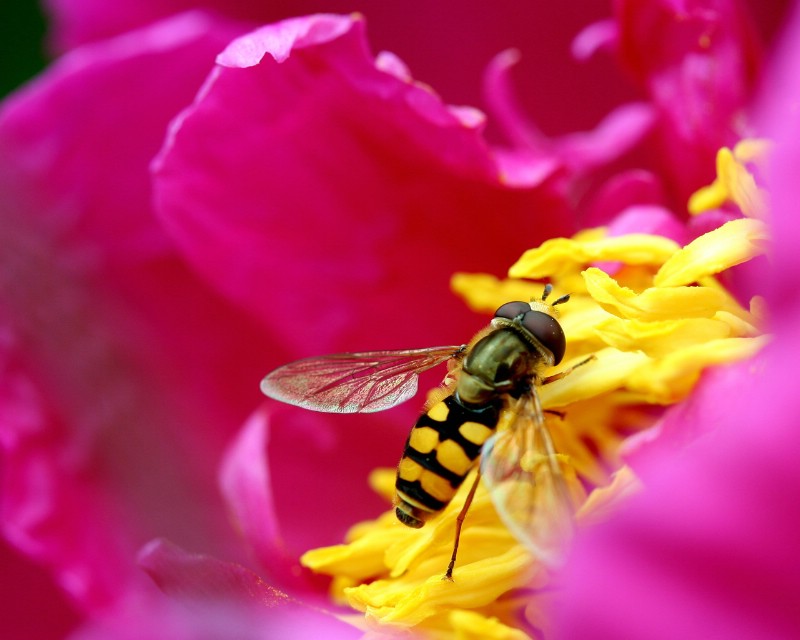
(561, 255)
(733, 243)
(735, 183)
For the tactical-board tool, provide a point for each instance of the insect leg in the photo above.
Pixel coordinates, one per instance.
(566, 372)
(459, 523)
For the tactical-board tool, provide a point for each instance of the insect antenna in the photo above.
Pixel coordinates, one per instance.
(548, 289)
(561, 300)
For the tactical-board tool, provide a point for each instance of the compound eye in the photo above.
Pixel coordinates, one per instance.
(547, 331)
(511, 310)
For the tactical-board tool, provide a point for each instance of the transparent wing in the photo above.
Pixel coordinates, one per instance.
(528, 482)
(354, 382)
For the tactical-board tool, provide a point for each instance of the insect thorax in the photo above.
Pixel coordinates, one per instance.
(501, 362)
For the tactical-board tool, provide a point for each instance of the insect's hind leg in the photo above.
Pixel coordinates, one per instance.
(460, 523)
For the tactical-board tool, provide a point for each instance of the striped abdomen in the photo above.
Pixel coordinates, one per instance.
(441, 449)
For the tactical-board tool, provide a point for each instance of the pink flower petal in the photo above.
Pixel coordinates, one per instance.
(524, 168)
(713, 400)
(246, 485)
(597, 36)
(501, 97)
(778, 116)
(295, 480)
(615, 135)
(78, 22)
(698, 62)
(623, 190)
(197, 578)
(214, 621)
(65, 121)
(321, 181)
(34, 607)
(113, 406)
(230, 600)
(708, 550)
(450, 59)
(651, 219)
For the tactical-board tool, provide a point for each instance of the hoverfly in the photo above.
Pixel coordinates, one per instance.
(497, 373)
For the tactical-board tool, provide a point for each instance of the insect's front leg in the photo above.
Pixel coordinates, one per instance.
(566, 372)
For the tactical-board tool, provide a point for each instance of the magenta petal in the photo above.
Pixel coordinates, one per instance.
(113, 408)
(33, 606)
(709, 550)
(778, 115)
(198, 578)
(615, 135)
(78, 22)
(662, 34)
(643, 218)
(52, 510)
(621, 191)
(334, 199)
(599, 35)
(225, 598)
(523, 168)
(294, 480)
(210, 620)
(246, 485)
(319, 467)
(92, 148)
(713, 400)
(450, 59)
(699, 63)
(650, 219)
(280, 39)
(499, 94)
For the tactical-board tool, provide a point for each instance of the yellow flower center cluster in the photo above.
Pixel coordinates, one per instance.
(654, 316)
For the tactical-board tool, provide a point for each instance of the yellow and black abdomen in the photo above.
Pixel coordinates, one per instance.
(441, 449)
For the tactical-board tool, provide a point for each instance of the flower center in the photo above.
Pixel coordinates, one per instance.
(651, 325)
